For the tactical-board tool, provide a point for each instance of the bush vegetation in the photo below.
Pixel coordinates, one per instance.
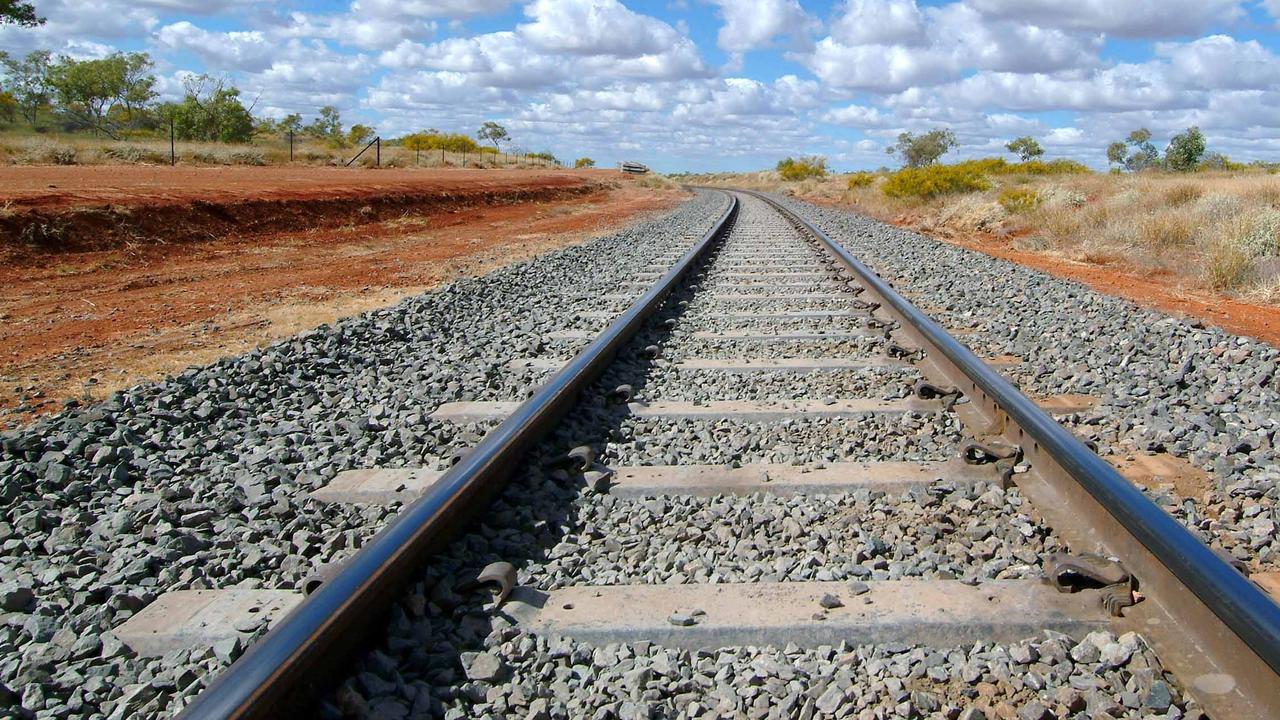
(935, 180)
(1016, 200)
(802, 168)
(861, 179)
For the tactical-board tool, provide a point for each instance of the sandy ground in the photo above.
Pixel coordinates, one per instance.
(78, 325)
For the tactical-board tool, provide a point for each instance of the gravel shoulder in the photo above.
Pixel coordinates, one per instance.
(1165, 384)
(200, 480)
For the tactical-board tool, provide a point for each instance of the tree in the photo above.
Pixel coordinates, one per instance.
(359, 134)
(1116, 153)
(1144, 154)
(1220, 161)
(16, 12)
(137, 84)
(584, 162)
(92, 91)
(1185, 150)
(1025, 148)
(291, 123)
(921, 150)
(802, 168)
(327, 125)
(86, 89)
(28, 81)
(492, 132)
(210, 111)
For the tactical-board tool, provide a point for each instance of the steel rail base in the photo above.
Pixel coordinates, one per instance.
(291, 667)
(1223, 631)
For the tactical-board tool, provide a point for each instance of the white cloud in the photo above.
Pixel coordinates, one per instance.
(1115, 89)
(249, 51)
(1133, 18)
(879, 22)
(569, 43)
(500, 59)
(439, 9)
(73, 26)
(751, 24)
(358, 30)
(1220, 62)
(880, 68)
(981, 43)
(596, 27)
(935, 45)
(859, 116)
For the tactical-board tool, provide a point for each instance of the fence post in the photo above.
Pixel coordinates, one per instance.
(173, 154)
(417, 156)
(290, 146)
(464, 158)
(441, 157)
(378, 151)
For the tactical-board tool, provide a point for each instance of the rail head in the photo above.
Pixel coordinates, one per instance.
(290, 665)
(1244, 613)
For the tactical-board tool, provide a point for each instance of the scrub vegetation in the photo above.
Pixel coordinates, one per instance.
(1194, 216)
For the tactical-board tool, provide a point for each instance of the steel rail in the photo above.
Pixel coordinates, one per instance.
(290, 667)
(1240, 608)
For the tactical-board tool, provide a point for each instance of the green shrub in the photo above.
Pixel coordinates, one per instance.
(861, 179)
(933, 180)
(793, 169)
(1018, 200)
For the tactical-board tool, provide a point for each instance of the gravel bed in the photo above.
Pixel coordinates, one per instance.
(198, 481)
(446, 656)
(684, 345)
(1165, 384)
(515, 674)
(910, 436)
(671, 383)
(946, 533)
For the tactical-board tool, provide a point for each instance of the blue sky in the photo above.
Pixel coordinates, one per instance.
(723, 84)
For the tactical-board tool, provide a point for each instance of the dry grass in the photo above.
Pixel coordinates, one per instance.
(53, 149)
(1219, 230)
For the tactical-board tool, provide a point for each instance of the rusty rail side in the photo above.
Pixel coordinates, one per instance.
(1223, 630)
(292, 666)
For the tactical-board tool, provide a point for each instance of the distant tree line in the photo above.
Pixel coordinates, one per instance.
(1185, 152)
(115, 97)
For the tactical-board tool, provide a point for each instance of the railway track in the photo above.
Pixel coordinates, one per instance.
(771, 487)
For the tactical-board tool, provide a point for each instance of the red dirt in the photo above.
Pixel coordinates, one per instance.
(60, 209)
(84, 323)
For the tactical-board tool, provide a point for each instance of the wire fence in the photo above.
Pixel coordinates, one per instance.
(287, 149)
